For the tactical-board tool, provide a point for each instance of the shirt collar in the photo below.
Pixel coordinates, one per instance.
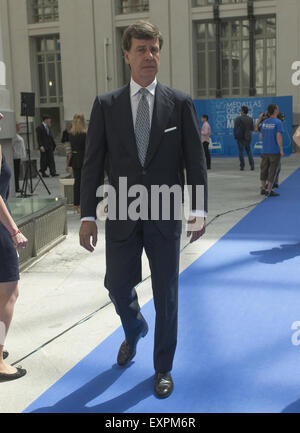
(135, 88)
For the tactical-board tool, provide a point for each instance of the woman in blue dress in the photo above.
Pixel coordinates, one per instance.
(10, 239)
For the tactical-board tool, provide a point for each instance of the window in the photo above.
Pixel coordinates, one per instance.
(44, 10)
(223, 2)
(203, 2)
(235, 65)
(131, 6)
(211, 2)
(265, 55)
(124, 73)
(49, 70)
(234, 62)
(206, 59)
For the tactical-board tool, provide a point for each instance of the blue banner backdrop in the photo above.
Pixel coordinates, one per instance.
(222, 113)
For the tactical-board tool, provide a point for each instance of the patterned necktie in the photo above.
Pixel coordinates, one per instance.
(142, 126)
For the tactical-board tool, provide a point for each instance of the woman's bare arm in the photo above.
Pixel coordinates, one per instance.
(6, 219)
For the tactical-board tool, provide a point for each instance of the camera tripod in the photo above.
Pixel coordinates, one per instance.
(28, 172)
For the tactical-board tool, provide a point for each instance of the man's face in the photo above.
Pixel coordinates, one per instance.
(48, 122)
(276, 112)
(143, 58)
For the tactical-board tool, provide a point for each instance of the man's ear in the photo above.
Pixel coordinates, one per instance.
(126, 57)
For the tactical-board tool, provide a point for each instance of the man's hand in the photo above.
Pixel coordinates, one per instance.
(281, 153)
(42, 149)
(196, 227)
(87, 231)
(20, 241)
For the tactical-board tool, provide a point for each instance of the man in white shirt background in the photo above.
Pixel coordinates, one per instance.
(19, 153)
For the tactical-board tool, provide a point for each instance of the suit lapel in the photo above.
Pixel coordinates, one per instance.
(163, 107)
(123, 118)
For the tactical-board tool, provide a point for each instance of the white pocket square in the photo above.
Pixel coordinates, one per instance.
(171, 129)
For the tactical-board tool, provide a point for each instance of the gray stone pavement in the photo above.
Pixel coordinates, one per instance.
(66, 285)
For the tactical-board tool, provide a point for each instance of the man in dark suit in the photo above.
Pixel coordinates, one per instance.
(243, 127)
(47, 147)
(146, 130)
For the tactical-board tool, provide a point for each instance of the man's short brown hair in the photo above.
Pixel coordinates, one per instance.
(141, 30)
(272, 108)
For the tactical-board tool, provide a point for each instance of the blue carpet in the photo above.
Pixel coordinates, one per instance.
(235, 354)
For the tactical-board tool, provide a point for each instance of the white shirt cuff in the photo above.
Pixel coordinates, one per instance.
(198, 213)
(88, 219)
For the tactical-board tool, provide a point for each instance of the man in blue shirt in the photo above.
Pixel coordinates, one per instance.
(271, 131)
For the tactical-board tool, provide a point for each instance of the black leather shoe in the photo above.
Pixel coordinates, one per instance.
(7, 377)
(164, 385)
(126, 352)
(263, 191)
(55, 175)
(45, 175)
(272, 194)
(5, 354)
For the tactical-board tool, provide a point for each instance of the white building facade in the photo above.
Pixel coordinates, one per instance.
(8, 123)
(68, 51)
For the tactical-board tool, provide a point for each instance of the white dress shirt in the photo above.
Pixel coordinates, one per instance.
(18, 146)
(135, 97)
(46, 127)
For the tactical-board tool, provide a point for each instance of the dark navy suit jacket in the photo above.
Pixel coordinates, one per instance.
(111, 135)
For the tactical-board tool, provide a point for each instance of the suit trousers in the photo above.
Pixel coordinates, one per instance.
(47, 160)
(207, 154)
(123, 273)
(245, 144)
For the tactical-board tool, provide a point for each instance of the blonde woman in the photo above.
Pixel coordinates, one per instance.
(77, 137)
(10, 239)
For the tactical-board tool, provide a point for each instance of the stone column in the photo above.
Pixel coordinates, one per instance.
(8, 124)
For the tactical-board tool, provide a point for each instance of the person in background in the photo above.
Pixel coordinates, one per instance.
(19, 153)
(47, 147)
(243, 126)
(271, 130)
(205, 136)
(77, 137)
(65, 140)
(257, 130)
(10, 239)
